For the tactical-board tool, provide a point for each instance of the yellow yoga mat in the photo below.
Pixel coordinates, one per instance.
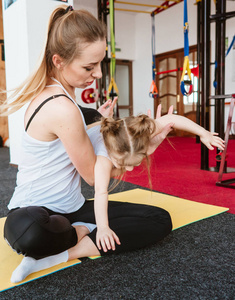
(183, 212)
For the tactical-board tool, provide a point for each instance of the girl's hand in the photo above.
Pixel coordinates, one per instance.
(106, 110)
(159, 137)
(106, 238)
(159, 111)
(210, 139)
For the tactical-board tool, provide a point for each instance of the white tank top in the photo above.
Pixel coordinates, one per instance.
(46, 175)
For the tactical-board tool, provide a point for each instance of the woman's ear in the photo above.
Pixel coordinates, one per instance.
(58, 61)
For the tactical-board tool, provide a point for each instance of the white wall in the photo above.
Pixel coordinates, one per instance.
(142, 66)
(16, 64)
(24, 23)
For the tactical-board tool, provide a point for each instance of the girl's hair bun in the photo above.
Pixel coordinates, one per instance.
(109, 125)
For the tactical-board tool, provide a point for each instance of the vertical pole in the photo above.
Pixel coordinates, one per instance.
(102, 16)
(199, 50)
(222, 67)
(205, 79)
(220, 75)
(113, 53)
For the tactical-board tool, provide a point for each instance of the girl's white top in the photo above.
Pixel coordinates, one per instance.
(46, 175)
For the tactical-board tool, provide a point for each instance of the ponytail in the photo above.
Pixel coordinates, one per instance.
(110, 126)
(140, 126)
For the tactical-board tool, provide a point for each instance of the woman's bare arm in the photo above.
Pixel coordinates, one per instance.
(68, 126)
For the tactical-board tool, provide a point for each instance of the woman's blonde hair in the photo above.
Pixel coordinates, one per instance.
(128, 137)
(68, 31)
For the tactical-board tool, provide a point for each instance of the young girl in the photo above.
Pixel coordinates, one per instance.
(49, 220)
(128, 143)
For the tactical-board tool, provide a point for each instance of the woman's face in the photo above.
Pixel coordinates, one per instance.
(81, 72)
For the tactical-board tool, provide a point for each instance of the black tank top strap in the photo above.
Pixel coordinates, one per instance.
(41, 105)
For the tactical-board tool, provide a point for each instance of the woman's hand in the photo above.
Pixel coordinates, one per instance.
(159, 137)
(210, 139)
(106, 238)
(106, 110)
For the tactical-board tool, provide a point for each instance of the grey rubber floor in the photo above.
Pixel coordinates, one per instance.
(193, 262)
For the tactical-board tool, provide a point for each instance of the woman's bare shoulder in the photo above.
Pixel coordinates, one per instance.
(54, 114)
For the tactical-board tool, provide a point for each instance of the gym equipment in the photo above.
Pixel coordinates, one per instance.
(183, 82)
(153, 92)
(230, 46)
(194, 71)
(89, 95)
(205, 18)
(220, 182)
(112, 89)
(216, 64)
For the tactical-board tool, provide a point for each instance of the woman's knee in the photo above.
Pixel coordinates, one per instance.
(33, 232)
(158, 218)
(163, 220)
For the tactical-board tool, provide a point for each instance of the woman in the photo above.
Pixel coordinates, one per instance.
(49, 220)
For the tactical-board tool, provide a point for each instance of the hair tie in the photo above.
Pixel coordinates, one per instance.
(69, 8)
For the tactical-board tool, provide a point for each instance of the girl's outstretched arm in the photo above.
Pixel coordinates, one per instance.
(158, 138)
(209, 139)
(105, 237)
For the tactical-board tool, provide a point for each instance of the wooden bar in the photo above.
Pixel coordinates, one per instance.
(133, 10)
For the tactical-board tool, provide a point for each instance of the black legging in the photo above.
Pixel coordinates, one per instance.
(38, 232)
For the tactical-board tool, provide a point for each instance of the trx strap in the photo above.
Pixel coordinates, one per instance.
(216, 65)
(153, 92)
(230, 47)
(215, 75)
(112, 84)
(186, 57)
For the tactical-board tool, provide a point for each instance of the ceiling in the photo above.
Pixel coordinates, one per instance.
(134, 6)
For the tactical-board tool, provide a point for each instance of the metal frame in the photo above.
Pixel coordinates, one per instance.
(220, 182)
(159, 8)
(167, 4)
(103, 11)
(204, 21)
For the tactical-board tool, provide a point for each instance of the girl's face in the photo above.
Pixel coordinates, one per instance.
(81, 72)
(128, 163)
